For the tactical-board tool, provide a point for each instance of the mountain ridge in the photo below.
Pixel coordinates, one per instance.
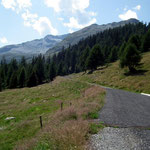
(30, 48)
(75, 37)
(51, 44)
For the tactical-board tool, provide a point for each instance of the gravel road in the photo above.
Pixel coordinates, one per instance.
(126, 109)
(121, 139)
(131, 113)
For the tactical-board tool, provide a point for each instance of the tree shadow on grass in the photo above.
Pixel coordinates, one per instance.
(139, 72)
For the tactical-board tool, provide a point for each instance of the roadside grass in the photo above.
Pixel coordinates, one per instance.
(115, 77)
(62, 130)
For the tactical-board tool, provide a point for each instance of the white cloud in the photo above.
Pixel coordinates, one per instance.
(24, 4)
(91, 13)
(61, 19)
(9, 4)
(41, 24)
(71, 31)
(75, 10)
(138, 7)
(74, 24)
(53, 4)
(16, 5)
(3, 40)
(80, 4)
(127, 15)
(67, 5)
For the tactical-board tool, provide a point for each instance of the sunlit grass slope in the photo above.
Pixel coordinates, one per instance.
(114, 76)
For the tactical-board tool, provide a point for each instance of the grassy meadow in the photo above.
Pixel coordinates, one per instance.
(113, 76)
(62, 130)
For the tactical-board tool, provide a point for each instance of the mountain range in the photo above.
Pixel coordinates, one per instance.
(75, 37)
(30, 48)
(52, 44)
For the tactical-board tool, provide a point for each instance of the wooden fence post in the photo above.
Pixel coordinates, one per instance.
(41, 123)
(61, 106)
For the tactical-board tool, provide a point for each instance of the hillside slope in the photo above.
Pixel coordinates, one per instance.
(81, 101)
(75, 37)
(114, 76)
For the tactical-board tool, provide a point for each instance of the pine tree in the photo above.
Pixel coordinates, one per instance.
(83, 58)
(60, 69)
(39, 69)
(146, 42)
(22, 78)
(122, 48)
(13, 81)
(52, 71)
(95, 58)
(33, 80)
(135, 39)
(0, 84)
(23, 62)
(113, 54)
(130, 58)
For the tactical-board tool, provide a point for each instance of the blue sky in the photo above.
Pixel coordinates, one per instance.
(24, 20)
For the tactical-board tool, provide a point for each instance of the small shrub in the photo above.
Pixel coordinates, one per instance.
(92, 115)
(94, 128)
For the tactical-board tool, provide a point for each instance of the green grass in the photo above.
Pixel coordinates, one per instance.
(115, 77)
(27, 104)
(95, 128)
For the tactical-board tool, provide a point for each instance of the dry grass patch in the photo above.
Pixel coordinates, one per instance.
(69, 129)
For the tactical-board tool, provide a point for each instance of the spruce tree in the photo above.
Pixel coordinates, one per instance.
(32, 80)
(130, 58)
(52, 71)
(95, 58)
(13, 81)
(83, 58)
(0, 84)
(60, 69)
(22, 78)
(135, 39)
(113, 54)
(122, 48)
(39, 69)
(23, 62)
(146, 42)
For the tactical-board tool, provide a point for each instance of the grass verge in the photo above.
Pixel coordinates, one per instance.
(66, 129)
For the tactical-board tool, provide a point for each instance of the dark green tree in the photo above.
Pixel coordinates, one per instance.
(60, 69)
(39, 68)
(95, 58)
(135, 39)
(83, 58)
(52, 71)
(22, 78)
(113, 54)
(13, 81)
(33, 80)
(130, 58)
(146, 42)
(0, 84)
(14, 64)
(121, 49)
(23, 62)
